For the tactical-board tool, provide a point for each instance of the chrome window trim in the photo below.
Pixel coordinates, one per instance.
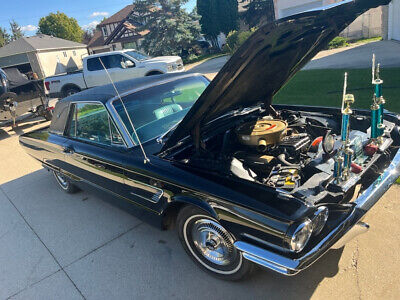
(109, 115)
(130, 142)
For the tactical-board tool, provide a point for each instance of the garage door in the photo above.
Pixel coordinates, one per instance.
(394, 20)
(298, 9)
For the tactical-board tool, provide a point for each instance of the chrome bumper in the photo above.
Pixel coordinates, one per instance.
(338, 235)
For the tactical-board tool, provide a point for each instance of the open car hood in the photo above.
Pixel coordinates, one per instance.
(267, 61)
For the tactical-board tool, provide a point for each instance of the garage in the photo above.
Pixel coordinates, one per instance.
(394, 20)
(292, 10)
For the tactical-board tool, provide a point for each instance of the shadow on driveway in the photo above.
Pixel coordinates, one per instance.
(109, 253)
(23, 127)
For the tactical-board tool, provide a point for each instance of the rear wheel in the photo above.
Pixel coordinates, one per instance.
(210, 245)
(64, 183)
(42, 112)
(68, 91)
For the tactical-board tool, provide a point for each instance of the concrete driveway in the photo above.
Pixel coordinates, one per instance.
(354, 57)
(358, 56)
(59, 246)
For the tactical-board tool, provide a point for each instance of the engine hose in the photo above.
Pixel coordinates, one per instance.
(282, 159)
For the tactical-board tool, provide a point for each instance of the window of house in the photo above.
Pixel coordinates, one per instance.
(74, 53)
(105, 32)
(65, 54)
(91, 122)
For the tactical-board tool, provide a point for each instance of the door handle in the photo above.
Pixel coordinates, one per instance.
(68, 150)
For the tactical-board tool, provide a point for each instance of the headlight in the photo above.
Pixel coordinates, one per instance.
(3, 81)
(300, 236)
(319, 220)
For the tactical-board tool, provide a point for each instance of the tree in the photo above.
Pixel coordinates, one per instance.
(228, 15)
(208, 21)
(218, 16)
(16, 31)
(87, 35)
(258, 11)
(4, 37)
(61, 26)
(166, 26)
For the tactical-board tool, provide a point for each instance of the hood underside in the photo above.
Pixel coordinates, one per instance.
(268, 60)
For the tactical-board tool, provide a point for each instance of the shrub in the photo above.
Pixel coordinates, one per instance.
(338, 42)
(236, 38)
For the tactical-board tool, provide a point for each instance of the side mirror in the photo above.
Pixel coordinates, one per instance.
(129, 64)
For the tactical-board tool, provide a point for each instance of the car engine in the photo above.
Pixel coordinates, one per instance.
(318, 156)
(296, 152)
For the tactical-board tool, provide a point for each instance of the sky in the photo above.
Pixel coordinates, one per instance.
(87, 12)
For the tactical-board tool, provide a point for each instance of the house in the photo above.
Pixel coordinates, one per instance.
(116, 33)
(285, 8)
(42, 54)
(370, 24)
(393, 20)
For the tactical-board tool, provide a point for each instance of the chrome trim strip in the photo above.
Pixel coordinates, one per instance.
(120, 125)
(358, 229)
(365, 202)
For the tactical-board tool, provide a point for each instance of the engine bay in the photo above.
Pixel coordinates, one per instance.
(317, 155)
(295, 152)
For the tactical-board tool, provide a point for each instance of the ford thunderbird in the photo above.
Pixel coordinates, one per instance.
(244, 181)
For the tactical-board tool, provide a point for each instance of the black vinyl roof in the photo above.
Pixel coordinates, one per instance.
(107, 92)
(103, 94)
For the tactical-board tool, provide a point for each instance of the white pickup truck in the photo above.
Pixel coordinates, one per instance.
(121, 65)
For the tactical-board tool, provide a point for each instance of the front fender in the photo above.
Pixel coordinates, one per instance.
(192, 200)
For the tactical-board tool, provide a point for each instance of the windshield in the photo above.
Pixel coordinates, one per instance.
(137, 55)
(155, 110)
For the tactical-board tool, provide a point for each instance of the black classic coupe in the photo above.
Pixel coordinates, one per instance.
(244, 182)
(19, 95)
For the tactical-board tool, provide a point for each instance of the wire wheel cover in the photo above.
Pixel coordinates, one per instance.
(213, 242)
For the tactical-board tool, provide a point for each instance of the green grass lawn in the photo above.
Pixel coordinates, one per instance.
(325, 87)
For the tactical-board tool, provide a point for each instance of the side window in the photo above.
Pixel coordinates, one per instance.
(117, 61)
(110, 62)
(93, 64)
(91, 122)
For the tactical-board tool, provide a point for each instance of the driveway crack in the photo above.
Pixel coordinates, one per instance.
(41, 241)
(104, 244)
(355, 259)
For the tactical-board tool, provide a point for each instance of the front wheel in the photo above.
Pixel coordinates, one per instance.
(64, 183)
(210, 245)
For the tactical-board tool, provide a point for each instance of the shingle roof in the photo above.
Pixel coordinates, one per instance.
(35, 43)
(119, 16)
(97, 39)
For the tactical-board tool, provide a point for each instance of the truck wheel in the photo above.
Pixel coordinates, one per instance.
(42, 112)
(154, 73)
(70, 91)
(64, 183)
(210, 245)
